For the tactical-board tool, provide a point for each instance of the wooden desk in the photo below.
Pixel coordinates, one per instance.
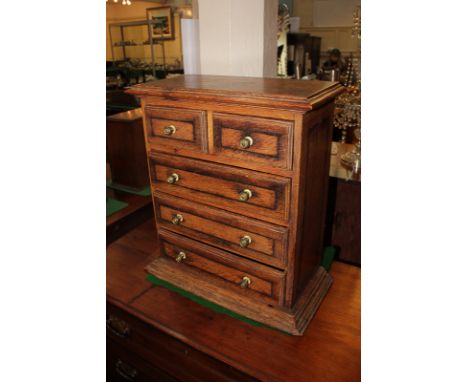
(172, 338)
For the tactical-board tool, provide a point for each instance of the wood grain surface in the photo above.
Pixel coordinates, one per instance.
(328, 351)
(272, 92)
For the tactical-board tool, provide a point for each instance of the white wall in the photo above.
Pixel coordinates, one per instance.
(236, 37)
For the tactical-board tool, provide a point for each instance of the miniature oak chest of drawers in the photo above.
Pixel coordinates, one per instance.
(239, 173)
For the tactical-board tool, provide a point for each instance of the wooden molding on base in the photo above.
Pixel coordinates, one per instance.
(214, 289)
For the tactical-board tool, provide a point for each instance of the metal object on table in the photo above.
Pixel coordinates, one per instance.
(352, 159)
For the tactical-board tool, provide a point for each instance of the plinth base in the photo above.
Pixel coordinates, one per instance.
(292, 321)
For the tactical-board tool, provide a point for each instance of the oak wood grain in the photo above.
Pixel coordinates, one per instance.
(223, 229)
(189, 128)
(220, 186)
(328, 351)
(271, 139)
(288, 94)
(264, 147)
(223, 265)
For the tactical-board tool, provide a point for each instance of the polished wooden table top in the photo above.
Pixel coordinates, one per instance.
(126, 116)
(329, 350)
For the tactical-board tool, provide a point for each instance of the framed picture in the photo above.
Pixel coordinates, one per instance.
(162, 27)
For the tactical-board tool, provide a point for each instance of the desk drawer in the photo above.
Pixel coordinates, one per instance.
(246, 192)
(124, 366)
(239, 275)
(259, 140)
(259, 241)
(129, 335)
(176, 128)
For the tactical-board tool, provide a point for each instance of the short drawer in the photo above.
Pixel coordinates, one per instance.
(241, 275)
(246, 192)
(251, 238)
(176, 128)
(264, 141)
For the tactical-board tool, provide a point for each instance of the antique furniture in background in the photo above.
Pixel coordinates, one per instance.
(239, 172)
(343, 229)
(127, 166)
(126, 151)
(117, 102)
(139, 210)
(123, 48)
(154, 334)
(303, 49)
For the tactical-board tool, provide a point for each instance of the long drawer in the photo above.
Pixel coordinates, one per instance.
(167, 356)
(124, 366)
(251, 238)
(250, 193)
(239, 275)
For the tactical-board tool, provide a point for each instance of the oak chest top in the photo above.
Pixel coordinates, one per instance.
(245, 90)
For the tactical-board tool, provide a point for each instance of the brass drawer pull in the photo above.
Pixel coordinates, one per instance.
(245, 195)
(180, 257)
(118, 327)
(173, 178)
(177, 219)
(125, 371)
(245, 241)
(246, 142)
(245, 282)
(169, 130)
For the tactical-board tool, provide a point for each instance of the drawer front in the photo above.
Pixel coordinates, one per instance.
(163, 352)
(241, 275)
(176, 128)
(260, 140)
(247, 237)
(125, 366)
(246, 192)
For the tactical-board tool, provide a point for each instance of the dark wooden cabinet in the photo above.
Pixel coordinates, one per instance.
(126, 152)
(239, 174)
(344, 219)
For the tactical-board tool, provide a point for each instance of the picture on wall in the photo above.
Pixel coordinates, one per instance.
(162, 27)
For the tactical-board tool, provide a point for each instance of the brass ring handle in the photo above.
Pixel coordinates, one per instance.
(245, 241)
(246, 142)
(119, 327)
(180, 257)
(171, 179)
(245, 195)
(245, 282)
(125, 371)
(177, 219)
(169, 130)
